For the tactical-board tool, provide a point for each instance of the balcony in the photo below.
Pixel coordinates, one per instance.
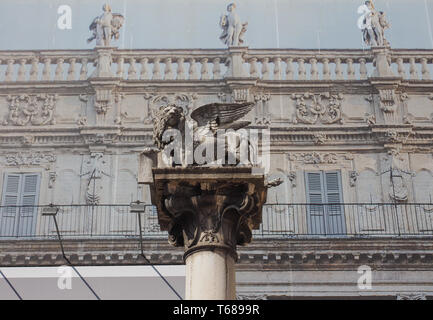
(280, 221)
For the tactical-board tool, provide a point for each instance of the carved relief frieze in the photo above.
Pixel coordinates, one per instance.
(31, 110)
(29, 158)
(322, 108)
(157, 101)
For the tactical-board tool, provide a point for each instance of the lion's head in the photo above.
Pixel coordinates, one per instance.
(170, 116)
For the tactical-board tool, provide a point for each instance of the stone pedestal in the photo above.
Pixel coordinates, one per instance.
(209, 211)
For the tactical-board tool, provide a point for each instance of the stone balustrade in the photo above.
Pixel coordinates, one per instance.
(53, 65)
(212, 64)
(169, 64)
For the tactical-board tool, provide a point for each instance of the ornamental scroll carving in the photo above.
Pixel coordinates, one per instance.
(34, 110)
(319, 158)
(33, 158)
(322, 108)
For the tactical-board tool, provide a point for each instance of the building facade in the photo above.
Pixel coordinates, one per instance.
(351, 135)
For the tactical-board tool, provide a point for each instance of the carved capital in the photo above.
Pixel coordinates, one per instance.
(205, 208)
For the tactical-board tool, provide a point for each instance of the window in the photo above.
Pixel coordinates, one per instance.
(325, 212)
(20, 195)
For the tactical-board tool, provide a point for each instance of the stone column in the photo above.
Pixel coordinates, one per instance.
(209, 211)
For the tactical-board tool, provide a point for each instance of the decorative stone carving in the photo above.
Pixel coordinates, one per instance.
(398, 191)
(353, 176)
(204, 208)
(370, 119)
(233, 28)
(106, 26)
(103, 100)
(29, 158)
(240, 95)
(211, 121)
(156, 102)
(314, 158)
(81, 120)
(262, 115)
(51, 179)
(27, 140)
(388, 100)
(36, 110)
(318, 111)
(94, 173)
(319, 138)
(273, 183)
(292, 178)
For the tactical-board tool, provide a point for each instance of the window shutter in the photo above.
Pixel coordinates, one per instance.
(29, 197)
(333, 191)
(314, 187)
(316, 213)
(333, 195)
(11, 198)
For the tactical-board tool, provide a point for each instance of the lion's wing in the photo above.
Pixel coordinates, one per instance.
(226, 113)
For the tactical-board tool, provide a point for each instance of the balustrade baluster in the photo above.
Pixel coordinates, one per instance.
(181, 75)
(71, 70)
(424, 69)
(216, 68)
(277, 68)
(120, 67)
(46, 73)
(58, 73)
(413, 70)
(265, 69)
(83, 71)
(156, 69)
(193, 74)
(9, 70)
(132, 71)
(204, 69)
(34, 70)
(254, 72)
(314, 72)
(289, 69)
(21, 75)
(400, 68)
(168, 71)
(302, 73)
(326, 69)
(338, 69)
(144, 73)
(350, 69)
(363, 68)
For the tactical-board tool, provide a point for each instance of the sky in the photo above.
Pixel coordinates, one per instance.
(32, 24)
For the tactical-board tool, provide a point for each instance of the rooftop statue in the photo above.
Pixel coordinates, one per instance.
(373, 25)
(106, 26)
(233, 28)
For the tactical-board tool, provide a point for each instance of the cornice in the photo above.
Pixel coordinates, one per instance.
(261, 254)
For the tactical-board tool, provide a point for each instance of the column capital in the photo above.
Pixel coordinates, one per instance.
(208, 208)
